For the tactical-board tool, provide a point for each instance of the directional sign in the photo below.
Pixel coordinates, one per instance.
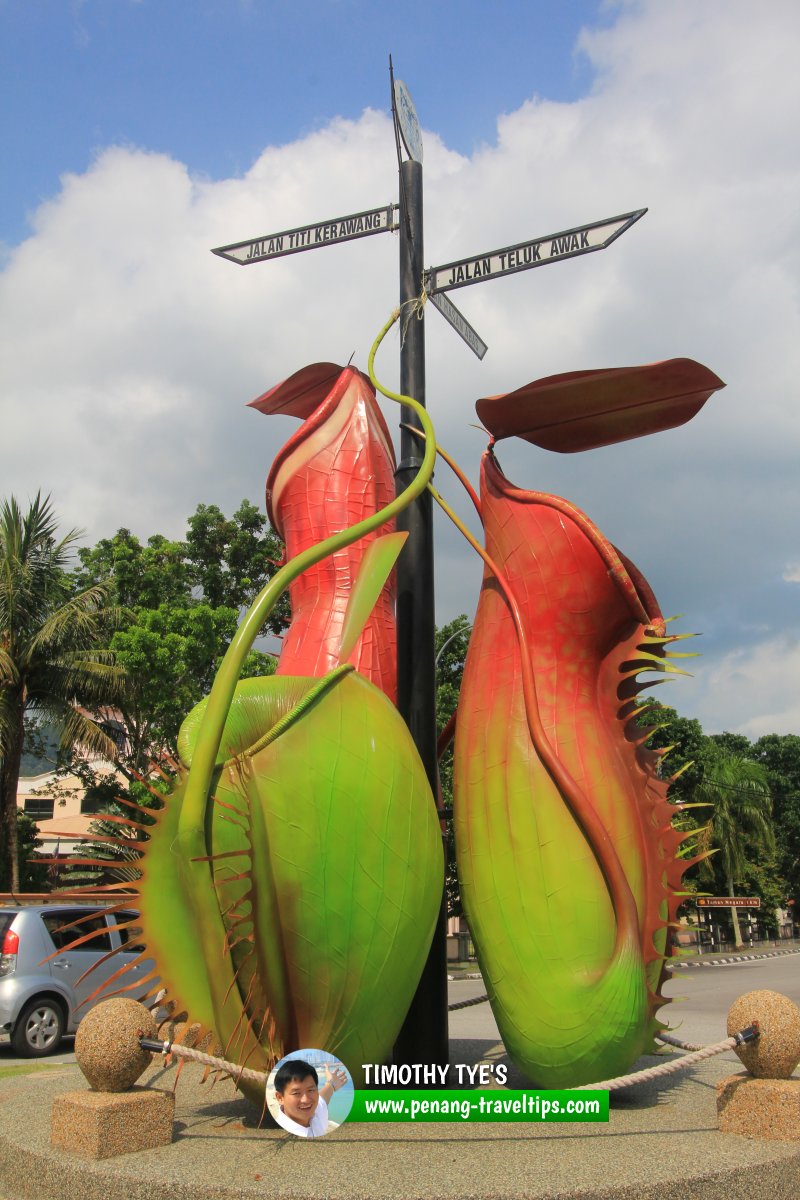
(408, 120)
(307, 237)
(535, 253)
(728, 902)
(459, 323)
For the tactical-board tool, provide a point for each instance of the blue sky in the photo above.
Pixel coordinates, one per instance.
(214, 81)
(137, 135)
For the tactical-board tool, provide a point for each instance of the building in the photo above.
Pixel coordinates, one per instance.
(59, 806)
(58, 803)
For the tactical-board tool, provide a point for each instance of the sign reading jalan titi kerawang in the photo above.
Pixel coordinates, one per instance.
(307, 237)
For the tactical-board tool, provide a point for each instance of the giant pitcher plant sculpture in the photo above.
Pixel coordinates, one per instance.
(290, 888)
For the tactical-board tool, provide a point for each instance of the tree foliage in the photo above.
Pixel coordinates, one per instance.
(736, 791)
(229, 561)
(780, 756)
(451, 651)
(32, 875)
(769, 872)
(54, 658)
(183, 600)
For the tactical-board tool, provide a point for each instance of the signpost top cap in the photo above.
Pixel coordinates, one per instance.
(408, 121)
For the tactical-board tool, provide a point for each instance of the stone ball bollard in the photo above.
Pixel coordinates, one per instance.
(775, 1053)
(107, 1047)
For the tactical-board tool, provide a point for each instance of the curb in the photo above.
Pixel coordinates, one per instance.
(661, 1143)
(679, 964)
(730, 959)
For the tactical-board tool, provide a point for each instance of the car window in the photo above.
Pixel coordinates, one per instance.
(63, 938)
(128, 936)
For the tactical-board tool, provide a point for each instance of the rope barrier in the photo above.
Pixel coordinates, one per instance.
(698, 1054)
(679, 1064)
(207, 1060)
(467, 1003)
(673, 1041)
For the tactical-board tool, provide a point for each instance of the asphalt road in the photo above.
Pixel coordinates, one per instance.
(710, 991)
(703, 996)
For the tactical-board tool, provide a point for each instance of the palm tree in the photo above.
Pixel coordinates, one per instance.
(737, 791)
(50, 655)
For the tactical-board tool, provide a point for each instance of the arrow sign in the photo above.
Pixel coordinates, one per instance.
(536, 253)
(459, 323)
(308, 237)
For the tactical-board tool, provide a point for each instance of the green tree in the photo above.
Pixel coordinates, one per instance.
(139, 576)
(169, 653)
(451, 650)
(780, 754)
(51, 655)
(735, 743)
(229, 561)
(33, 875)
(687, 748)
(183, 601)
(736, 789)
(764, 879)
(687, 743)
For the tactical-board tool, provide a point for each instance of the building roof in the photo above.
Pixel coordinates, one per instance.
(70, 828)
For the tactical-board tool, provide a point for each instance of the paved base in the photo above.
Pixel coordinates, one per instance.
(764, 1108)
(105, 1124)
(661, 1143)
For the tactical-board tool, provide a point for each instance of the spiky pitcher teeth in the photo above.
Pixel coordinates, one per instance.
(326, 868)
(331, 806)
(563, 830)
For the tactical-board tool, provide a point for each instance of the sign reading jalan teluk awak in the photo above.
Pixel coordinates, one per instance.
(551, 248)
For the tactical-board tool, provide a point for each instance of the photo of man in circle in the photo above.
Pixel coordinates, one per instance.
(301, 1088)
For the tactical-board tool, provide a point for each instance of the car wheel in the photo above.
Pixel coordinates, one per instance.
(39, 1029)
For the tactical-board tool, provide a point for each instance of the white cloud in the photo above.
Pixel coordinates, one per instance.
(766, 674)
(128, 351)
(792, 573)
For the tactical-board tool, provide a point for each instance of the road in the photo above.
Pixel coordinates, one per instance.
(700, 1017)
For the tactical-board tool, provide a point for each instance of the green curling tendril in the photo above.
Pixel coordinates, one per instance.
(192, 824)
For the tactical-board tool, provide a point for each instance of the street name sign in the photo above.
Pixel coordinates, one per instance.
(459, 323)
(553, 247)
(728, 902)
(307, 237)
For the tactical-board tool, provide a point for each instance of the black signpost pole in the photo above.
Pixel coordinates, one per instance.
(424, 1037)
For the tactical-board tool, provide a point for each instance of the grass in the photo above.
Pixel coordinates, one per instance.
(27, 1069)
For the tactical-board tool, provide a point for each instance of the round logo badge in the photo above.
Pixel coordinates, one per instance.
(310, 1093)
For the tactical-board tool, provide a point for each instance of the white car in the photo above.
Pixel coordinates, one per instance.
(45, 988)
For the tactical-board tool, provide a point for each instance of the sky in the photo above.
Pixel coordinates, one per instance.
(138, 134)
